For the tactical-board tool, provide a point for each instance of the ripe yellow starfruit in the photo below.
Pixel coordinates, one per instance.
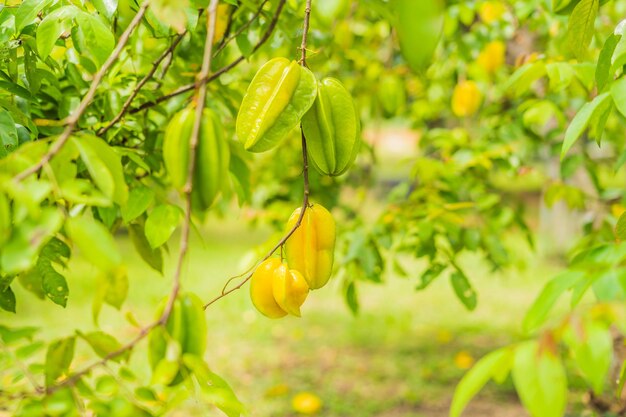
(310, 249)
(276, 290)
(492, 56)
(491, 11)
(466, 98)
(279, 95)
(212, 155)
(290, 289)
(331, 128)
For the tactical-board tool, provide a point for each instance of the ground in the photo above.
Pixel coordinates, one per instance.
(401, 356)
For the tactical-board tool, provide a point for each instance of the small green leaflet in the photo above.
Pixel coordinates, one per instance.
(581, 26)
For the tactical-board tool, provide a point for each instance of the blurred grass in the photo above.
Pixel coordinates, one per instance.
(401, 356)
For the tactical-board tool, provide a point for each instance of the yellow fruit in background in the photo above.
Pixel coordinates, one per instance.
(290, 289)
(221, 21)
(466, 98)
(492, 56)
(463, 360)
(306, 403)
(491, 11)
(262, 291)
(310, 250)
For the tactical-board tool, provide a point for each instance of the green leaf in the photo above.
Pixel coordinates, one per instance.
(28, 11)
(540, 380)
(538, 312)
(428, 276)
(214, 389)
(53, 26)
(7, 300)
(581, 26)
(54, 285)
(620, 227)
(592, 351)
(104, 344)
(95, 242)
(153, 257)
(20, 252)
(105, 7)
(94, 38)
(171, 12)
(8, 133)
(488, 367)
(463, 289)
(59, 358)
(139, 199)
(419, 25)
(522, 79)
(161, 223)
(582, 119)
(618, 92)
(104, 166)
(603, 69)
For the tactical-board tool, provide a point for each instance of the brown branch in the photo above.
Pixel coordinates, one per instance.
(72, 121)
(305, 33)
(139, 86)
(189, 87)
(206, 65)
(305, 177)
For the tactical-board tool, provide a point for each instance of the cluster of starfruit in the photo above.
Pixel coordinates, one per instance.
(283, 94)
(279, 288)
(212, 155)
(173, 347)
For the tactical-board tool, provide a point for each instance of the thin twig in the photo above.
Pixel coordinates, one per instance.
(305, 33)
(189, 87)
(72, 121)
(281, 242)
(239, 31)
(139, 86)
(206, 65)
(305, 177)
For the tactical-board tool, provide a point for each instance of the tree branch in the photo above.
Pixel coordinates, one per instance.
(139, 86)
(206, 65)
(305, 178)
(189, 87)
(72, 121)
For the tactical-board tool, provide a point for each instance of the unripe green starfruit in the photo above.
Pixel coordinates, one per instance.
(392, 94)
(310, 249)
(279, 95)
(331, 128)
(212, 155)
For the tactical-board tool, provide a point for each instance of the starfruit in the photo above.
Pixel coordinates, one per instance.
(279, 95)
(491, 58)
(391, 94)
(185, 332)
(466, 98)
(276, 290)
(212, 155)
(290, 289)
(331, 128)
(310, 249)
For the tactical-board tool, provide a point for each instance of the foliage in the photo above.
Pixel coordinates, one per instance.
(86, 92)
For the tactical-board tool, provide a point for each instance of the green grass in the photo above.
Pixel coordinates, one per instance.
(396, 358)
